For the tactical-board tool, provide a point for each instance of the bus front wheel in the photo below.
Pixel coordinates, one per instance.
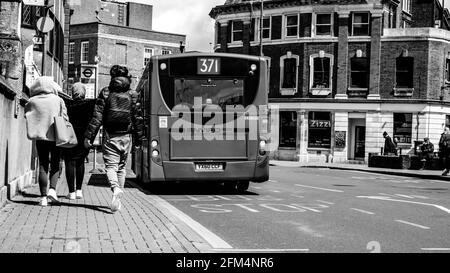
(242, 186)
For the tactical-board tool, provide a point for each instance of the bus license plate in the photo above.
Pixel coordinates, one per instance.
(208, 167)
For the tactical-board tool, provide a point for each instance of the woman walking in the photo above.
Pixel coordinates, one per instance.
(40, 111)
(80, 113)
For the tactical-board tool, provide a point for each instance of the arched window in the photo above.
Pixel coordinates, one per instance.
(289, 73)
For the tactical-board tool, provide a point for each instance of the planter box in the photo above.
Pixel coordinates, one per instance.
(391, 162)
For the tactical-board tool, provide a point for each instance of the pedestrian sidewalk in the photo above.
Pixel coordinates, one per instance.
(425, 174)
(144, 224)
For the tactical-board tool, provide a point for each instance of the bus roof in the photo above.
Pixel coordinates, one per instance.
(207, 54)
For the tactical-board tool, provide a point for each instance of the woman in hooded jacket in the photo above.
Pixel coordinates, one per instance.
(40, 111)
(80, 112)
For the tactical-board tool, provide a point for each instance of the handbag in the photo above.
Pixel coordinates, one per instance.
(64, 133)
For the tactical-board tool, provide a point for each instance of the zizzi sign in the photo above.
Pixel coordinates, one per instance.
(319, 123)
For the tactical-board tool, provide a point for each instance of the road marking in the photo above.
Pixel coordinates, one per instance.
(363, 211)
(420, 196)
(258, 188)
(325, 202)
(274, 181)
(404, 195)
(405, 201)
(263, 250)
(412, 224)
(275, 191)
(298, 196)
(317, 188)
(436, 249)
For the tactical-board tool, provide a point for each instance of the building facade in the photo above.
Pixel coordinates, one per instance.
(343, 72)
(107, 33)
(20, 63)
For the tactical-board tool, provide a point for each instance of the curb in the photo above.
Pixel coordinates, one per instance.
(424, 176)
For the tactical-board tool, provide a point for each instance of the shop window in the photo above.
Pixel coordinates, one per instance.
(237, 31)
(360, 24)
(404, 72)
(324, 23)
(403, 127)
(359, 73)
(292, 25)
(319, 130)
(288, 129)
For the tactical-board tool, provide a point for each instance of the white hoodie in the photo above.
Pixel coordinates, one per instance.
(42, 107)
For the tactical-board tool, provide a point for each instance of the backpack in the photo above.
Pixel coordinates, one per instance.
(118, 112)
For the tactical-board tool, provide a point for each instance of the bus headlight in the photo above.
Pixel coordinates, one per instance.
(155, 153)
(163, 66)
(253, 67)
(154, 143)
(262, 145)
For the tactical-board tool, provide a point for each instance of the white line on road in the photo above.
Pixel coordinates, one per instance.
(363, 211)
(298, 196)
(420, 196)
(436, 249)
(405, 201)
(404, 195)
(263, 250)
(412, 224)
(275, 181)
(325, 202)
(317, 188)
(275, 191)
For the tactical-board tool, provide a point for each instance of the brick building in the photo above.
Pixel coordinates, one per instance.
(104, 33)
(344, 71)
(20, 63)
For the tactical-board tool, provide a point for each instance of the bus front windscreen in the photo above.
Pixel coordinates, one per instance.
(221, 92)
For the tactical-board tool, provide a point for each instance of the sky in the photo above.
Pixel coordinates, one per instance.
(189, 17)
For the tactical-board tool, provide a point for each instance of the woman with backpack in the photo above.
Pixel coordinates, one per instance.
(40, 112)
(444, 150)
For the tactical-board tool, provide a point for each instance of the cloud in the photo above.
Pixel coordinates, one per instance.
(189, 17)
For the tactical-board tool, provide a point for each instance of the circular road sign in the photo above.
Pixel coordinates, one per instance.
(87, 72)
(45, 24)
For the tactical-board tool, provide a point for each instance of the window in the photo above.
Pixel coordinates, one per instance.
(292, 25)
(323, 24)
(121, 54)
(266, 27)
(148, 53)
(392, 16)
(290, 73)
(447, 70)
(237, 31)
(321, 72)
(406, 5)
(30, 15)
(360, 24)
(447, 120)
(288, 129)
(71, 53)
(319, 130)
(403, 127)
(404, 72)
(359, 72)
(84, 52)
(166, 52)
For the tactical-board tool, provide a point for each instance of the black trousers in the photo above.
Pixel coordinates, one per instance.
(74, 172)
(49, 155)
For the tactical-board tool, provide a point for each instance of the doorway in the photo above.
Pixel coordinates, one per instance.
(360, 142)
(357, 136)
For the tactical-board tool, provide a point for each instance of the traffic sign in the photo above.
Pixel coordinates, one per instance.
(87, 72)
(45, 24)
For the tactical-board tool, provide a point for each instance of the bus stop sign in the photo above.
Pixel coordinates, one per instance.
(87, 72)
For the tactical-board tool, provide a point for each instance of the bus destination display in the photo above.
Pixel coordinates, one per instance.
(208, 66)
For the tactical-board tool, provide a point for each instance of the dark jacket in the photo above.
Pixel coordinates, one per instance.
(389, 146)
(80, 113)
(427, 148)
(445, 139)
(102, 110)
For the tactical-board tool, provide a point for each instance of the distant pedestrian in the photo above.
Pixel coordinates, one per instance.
(427, 152)
(389, 146)
(117, 110)
(40, 111)
(80, 112)
(444, 150)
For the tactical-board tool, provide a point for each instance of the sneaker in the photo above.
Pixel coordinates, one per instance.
(115, 203)
(79, 194)
(52, 195)
(71, 196)
(43, 202)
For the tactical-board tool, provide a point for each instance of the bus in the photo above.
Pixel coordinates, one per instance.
(205, 117)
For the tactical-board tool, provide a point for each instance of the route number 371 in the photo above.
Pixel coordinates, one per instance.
(208, 66)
